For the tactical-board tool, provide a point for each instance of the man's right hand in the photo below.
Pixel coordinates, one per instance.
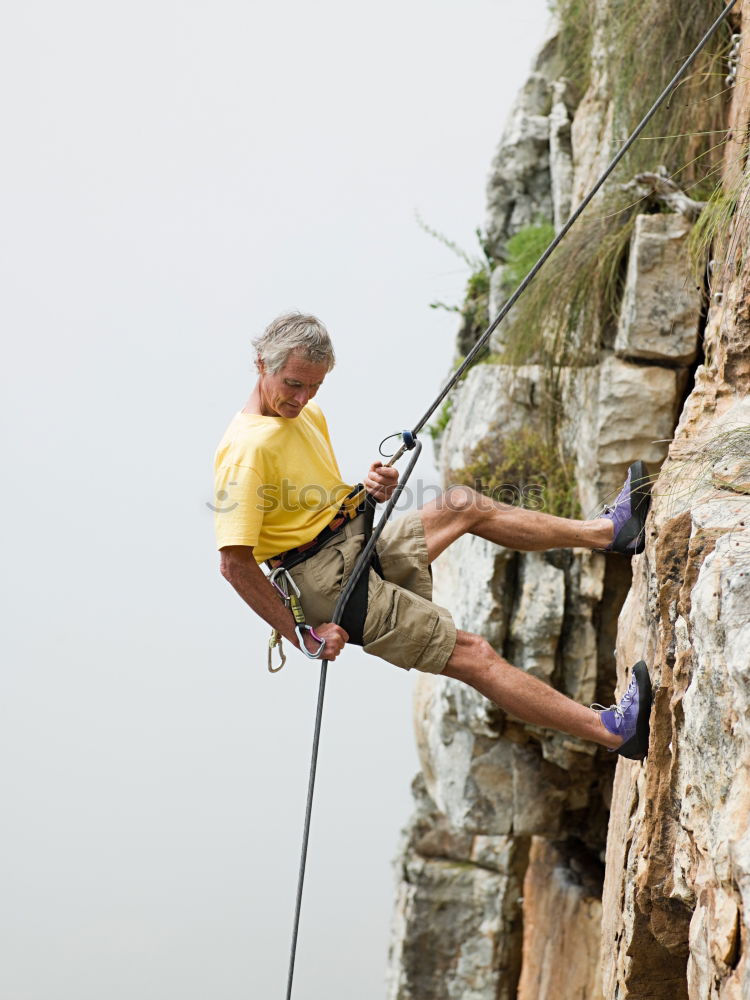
(239, 567)
(335, 636)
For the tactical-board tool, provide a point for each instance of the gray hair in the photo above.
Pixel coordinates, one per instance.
(294, 332)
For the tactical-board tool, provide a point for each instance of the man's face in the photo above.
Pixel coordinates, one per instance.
(286, 393)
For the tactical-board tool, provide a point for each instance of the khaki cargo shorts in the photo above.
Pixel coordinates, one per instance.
(402, 625)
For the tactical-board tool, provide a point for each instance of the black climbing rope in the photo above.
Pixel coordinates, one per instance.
(410, 442)
(362, 564)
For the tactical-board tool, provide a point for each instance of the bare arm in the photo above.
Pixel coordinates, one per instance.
(239, 567)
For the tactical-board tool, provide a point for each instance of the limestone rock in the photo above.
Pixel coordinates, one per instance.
(656, 189)
(661, 306)
(615, 413)
(561, 152)
(675, 895)
(452, 919)
(481, 784)
(584, 587)
(518, 190)
(591, 130)
(473, 790)
(562, 913)
(474, 577)
(538, 615)
(677, 899)
(636, 408)
(457, 924)
(675, 913)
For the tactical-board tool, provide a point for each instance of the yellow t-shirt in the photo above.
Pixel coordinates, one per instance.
(277, 482)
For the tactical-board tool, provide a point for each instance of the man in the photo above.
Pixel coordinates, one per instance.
(284, 502)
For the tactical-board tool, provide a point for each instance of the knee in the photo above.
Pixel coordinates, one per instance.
(472, 658)
(461, 499)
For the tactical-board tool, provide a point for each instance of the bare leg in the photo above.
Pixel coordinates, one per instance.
(475, 662)
(462, 510)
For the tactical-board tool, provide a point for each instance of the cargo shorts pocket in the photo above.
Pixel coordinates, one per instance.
(321, 578)
(406, 629)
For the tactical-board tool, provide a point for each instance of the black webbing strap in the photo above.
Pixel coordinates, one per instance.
(355, 610)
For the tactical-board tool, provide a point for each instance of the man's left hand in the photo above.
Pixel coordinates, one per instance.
(381, 481)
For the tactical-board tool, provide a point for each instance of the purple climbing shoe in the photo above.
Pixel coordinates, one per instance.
(630, 719)
(628, 513)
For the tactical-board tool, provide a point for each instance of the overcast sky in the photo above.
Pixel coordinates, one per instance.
(173, 176)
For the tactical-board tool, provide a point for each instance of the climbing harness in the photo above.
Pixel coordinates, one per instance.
(411, 443)
(354, 614)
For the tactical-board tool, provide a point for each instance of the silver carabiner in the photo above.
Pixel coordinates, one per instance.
(273, 642)
(287, 578)
(316, 637)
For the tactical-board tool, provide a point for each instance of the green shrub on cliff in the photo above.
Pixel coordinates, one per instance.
(523, 251)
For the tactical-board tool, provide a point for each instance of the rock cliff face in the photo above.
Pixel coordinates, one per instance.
(537, 866)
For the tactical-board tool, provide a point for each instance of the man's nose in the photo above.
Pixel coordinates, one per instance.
(302, 397)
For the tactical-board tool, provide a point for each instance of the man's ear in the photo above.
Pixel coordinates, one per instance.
(260, 365)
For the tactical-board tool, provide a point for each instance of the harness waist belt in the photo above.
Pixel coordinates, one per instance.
(292, 557)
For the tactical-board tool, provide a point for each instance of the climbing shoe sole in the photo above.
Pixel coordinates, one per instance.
(631, 538)
(636, 747)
